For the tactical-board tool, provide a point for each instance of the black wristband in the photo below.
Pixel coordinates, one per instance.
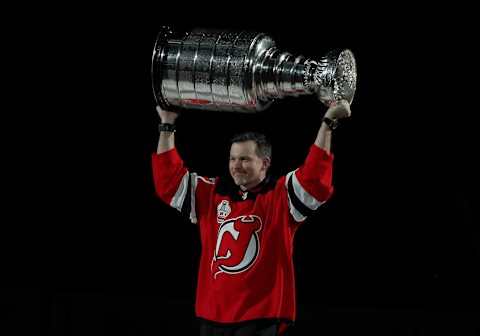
(331, 123)
(166, 127)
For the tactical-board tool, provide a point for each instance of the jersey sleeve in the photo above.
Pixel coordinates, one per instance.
(310, 185)
(175, 185)
(170, 178)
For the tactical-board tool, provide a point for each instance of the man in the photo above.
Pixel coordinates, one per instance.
(246, 284)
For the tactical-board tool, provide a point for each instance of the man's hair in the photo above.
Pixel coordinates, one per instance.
(264, 148)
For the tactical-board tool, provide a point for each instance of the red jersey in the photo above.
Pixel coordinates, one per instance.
(246, 265)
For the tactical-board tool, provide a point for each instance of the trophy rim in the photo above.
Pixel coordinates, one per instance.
(156, 67)
(336, 76)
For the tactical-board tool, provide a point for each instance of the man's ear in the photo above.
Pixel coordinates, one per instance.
(266, 163)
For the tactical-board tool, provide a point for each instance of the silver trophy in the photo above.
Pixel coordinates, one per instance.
(242, 71)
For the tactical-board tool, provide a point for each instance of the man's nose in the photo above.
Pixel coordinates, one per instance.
(237, 164)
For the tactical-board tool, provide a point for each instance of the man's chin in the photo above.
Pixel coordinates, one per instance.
(239, 182)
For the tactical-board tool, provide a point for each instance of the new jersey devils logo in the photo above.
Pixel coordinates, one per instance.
(237, 245)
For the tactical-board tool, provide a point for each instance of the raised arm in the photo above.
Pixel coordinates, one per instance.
(337, 110)
(166, 141)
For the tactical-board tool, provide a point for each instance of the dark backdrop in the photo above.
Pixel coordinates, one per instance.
(401, 230)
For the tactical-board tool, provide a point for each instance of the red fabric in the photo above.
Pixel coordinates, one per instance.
(281, 328)
(246, 269)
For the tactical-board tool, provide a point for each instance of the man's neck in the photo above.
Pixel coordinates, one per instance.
(253, 187)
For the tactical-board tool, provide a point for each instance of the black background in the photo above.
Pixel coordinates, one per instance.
(401, 230)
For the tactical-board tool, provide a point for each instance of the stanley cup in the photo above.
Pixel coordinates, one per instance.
(242, 71)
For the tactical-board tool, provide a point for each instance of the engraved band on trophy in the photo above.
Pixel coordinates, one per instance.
(242, 71)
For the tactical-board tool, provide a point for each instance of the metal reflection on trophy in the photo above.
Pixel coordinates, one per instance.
(242, 71)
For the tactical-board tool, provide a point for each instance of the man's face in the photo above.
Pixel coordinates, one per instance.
(246, 167)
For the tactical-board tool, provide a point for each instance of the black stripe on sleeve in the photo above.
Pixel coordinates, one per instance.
(297, 204)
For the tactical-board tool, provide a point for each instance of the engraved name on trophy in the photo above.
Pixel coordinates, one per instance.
(242, 71)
